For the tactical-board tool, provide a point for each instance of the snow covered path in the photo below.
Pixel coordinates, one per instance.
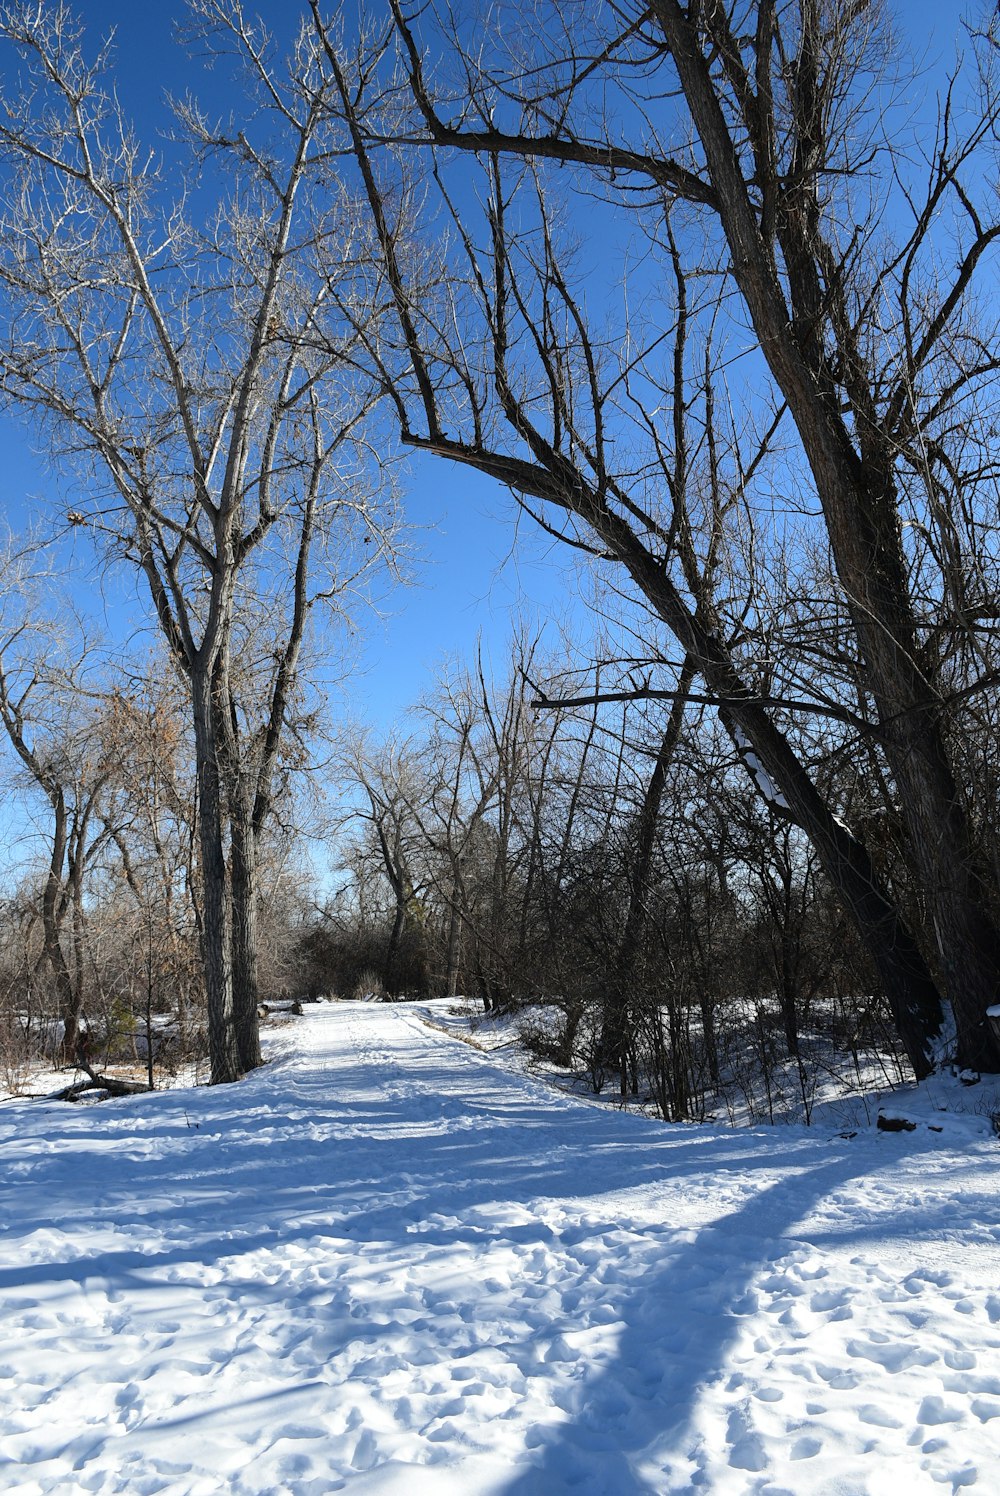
(383, 1264)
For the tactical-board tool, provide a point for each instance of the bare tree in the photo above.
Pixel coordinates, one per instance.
(868, 367)
(389, 780)
(175, 359)
(625, 999)
(151, 817)
(55, 734)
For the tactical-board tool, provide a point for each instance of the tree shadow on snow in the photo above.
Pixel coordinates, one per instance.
(442, 1163)
(679, 1322)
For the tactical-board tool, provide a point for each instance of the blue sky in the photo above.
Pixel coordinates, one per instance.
(472, 570)
(478, 570)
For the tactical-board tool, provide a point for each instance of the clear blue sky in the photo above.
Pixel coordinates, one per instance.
(465, 579)
(474, 568)
(473, 578)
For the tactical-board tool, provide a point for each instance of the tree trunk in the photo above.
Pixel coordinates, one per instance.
(788, 992)
(391, 973)
(454, 959)
(618, 1023)
(857, 495)
(966, 936)
(395, 871)
(216, 911)
(237, 783)
(244, 879)
(68, 996)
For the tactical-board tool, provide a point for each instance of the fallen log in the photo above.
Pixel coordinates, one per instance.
(96, 1082)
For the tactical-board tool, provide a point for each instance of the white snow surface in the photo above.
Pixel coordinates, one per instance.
(387, 1263)
(765, 783)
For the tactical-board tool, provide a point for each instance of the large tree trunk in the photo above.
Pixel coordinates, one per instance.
(854, 483)
(216, 911)
(244, 878)
(68, 995)
(240, 787)
(952, 884)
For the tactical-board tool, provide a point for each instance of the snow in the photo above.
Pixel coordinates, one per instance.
(389, 1263)
(765, 783)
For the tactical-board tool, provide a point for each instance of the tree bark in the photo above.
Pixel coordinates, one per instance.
(216, 905)
(857, 495)
(454, 957)
(244, 886)
(68, 995)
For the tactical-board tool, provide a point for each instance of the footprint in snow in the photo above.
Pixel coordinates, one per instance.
(894, 1357)
(837, 1378)
(128, 1401)
(812, 1271)
(836, 1302)
(746, 1446)
(748, 1454)
(783, 1283)
(934, 1410)
(302, 1431)
(871, 1413)
(295, 1465)
(917, 1281)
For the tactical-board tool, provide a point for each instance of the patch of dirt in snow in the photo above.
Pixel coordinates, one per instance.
(386, 1264)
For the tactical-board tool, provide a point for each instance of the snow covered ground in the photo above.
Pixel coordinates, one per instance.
(387, 1264)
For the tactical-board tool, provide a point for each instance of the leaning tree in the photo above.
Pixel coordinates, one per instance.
(714, 315)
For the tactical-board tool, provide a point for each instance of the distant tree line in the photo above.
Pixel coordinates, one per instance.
(604, 871)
